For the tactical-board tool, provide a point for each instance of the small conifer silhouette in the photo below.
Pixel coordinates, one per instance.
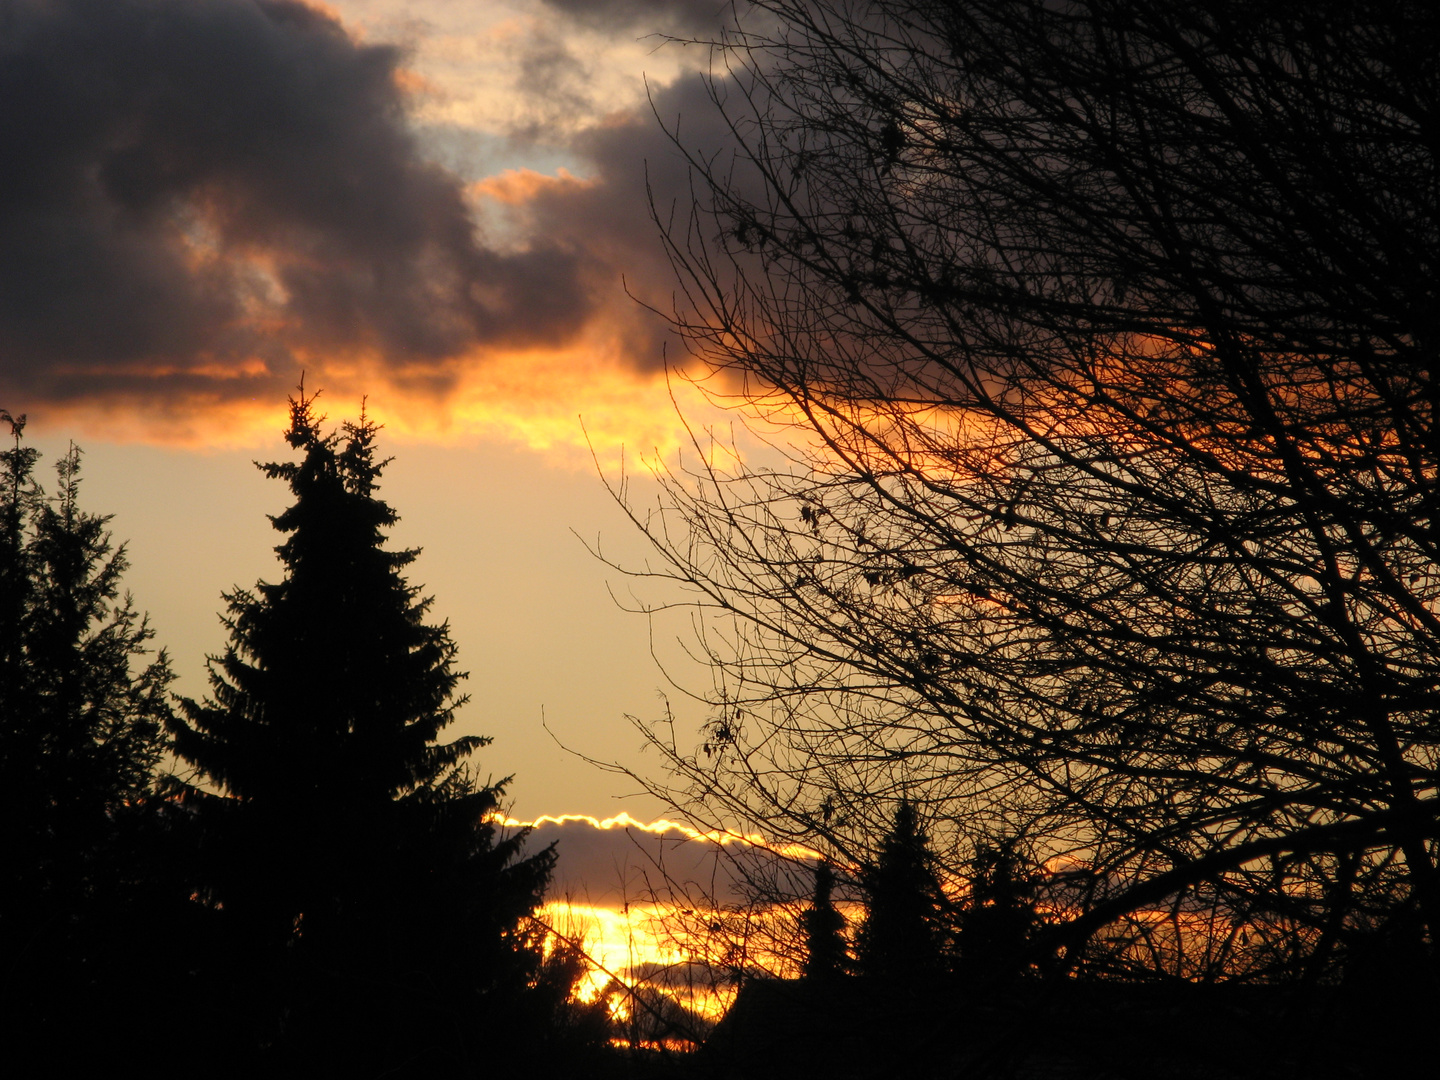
(83, 702)
(824, 926)
(903, 939)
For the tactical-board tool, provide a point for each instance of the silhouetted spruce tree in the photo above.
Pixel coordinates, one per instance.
(83, 703)
(382, 918)
(903, 941)
(999, 917)
(824, 927)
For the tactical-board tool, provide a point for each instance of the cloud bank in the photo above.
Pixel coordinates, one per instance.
(199, 199)
(661, 16)
(622, 861)
(214, 191)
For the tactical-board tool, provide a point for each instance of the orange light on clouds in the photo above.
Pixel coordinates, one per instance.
(515, 187)
(664, 825)
(189, 421)
(503, 204)
(685, 948)
(561, 404)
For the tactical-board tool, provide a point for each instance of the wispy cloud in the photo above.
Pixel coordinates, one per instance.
(619, 860)
(653, 16)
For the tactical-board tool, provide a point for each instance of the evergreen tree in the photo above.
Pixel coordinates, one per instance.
(999, 917)
(824, 928)
(349, 848)
(903, 940)
(83, 704)
(80, 730)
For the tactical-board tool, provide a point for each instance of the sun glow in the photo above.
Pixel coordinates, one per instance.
(678, 953)
(573, 406)
(634, 945)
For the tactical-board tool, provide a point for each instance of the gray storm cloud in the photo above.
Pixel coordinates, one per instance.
(199, 198)
(674, 16)
(641, 183)
(187, 186)
(628, 864)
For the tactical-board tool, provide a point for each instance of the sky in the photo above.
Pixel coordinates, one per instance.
(438, 206)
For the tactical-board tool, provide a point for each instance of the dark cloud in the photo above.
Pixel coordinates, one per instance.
(553, 80)
(630, 864)
(188, 186)
(557, 71)
(639, 175)
(649, 16)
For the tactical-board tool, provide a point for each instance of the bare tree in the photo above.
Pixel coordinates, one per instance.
(1108, 332)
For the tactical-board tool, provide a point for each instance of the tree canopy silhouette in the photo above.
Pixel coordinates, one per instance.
(83, 729)
(826, 956)
(1110, 329)
(83, 703)
(903, 941)
(346, 844)
(998, 919)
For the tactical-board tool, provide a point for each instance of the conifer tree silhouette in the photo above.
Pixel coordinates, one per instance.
(903, 941)
(999, 918)
(83, 703)
(824, 927)
(81, 732)
(348, 846)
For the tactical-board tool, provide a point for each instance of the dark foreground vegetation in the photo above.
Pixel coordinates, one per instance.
(310, 885)
(1094, 642)
(940, 983)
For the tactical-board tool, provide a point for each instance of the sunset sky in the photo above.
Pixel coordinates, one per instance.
(1050, 488)
(440, 204)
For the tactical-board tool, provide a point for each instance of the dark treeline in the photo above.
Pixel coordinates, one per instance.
(295, 875)
(936, 977)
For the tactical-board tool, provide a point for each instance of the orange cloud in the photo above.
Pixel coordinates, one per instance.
(502, 309)
(514, 187)
(665, 826)
(414, 85)
(152, 257)
(574, 406)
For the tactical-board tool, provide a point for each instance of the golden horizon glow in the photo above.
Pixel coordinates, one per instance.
(573, 407)
(691, 951)
(628, 944)
(623, 820)
(681, 948)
